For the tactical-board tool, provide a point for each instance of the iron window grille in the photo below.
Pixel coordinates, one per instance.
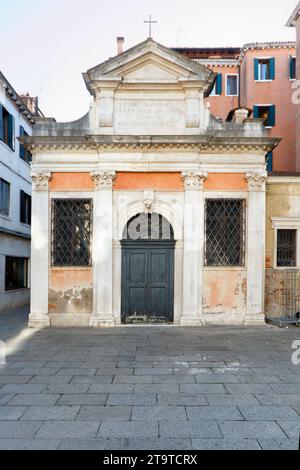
(286, 248)
(71, 232)
(225, 232)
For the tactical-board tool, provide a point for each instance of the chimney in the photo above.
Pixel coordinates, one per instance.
(120, 43)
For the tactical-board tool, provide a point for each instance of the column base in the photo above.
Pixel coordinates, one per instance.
(38, 321)
(191, 321)
(102, 322)
(255, 320)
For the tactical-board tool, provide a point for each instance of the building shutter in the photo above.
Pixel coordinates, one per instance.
(272, 116)
(219, 84)
(292, 68)
(255, 112)
(269, 161)
(272, 68)
(22, 148)
(29, 210)
(256, 66)
(1, 123)
(11, 132)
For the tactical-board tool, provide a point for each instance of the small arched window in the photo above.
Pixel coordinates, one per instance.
(148, 227)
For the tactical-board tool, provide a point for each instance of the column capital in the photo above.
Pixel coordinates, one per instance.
(194, 179)
(103, 179)
(256, 180)
(40, 180)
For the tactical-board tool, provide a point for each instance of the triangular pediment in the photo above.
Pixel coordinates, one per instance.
(149, 61)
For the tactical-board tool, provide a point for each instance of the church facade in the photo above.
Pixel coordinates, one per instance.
(149, 208)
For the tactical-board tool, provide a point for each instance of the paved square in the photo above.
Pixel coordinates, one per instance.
(157, 388)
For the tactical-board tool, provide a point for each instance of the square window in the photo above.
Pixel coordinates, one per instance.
(267, 113)
(16, 273)
(71, 232)
(225, 232)
(286, 248)
(25, 208)
(232, 85)
(4, 197)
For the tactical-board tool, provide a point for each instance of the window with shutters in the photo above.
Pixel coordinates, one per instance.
(264, 69)
(267, 113)
(286, 248)
(25, 208)
(4, 197)
(292, 68)
(217, 89)
(24, 153)
(16, 273)
(7, 128)
(232, 86)
(71, 232)
(225, 232)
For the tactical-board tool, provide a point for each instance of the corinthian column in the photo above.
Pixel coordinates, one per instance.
(193, 250)
(103, 249)
(40, 250)
(256, 246)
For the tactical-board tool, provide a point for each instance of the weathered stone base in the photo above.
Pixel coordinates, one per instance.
(255, 320)
(185, 321)
(38, 321)
(101, 322)
(69, 320)
(223, 319)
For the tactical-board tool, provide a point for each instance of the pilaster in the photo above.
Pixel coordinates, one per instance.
(193, 249)
(103, 249)
(40, 250)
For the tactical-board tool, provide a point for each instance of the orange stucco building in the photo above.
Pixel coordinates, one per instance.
(258, 77)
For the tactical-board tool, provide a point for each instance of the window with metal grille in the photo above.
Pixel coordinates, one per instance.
(148, 227)
(286, 248)
(71, 232)
(225, 232)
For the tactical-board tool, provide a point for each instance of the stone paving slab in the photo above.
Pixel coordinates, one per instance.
(190, 429)
(150, 388)
(50, 413)
(123, 429)
(102, 413)
(68, 429)
(251, 430)
(225, 444)
(33, 399)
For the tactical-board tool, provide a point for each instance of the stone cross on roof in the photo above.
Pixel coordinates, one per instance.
(150, 22)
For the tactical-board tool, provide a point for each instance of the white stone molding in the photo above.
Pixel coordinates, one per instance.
(194, 179)
(103, 179)
(41, 180)
(256, 180)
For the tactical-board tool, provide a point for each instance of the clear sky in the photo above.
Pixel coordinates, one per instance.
(46, 45)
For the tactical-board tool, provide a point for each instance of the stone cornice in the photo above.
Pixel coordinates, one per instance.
(106, 143)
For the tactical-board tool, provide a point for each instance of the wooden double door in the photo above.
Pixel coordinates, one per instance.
(148, 279)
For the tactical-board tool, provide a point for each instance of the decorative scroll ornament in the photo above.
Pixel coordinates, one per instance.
(41, 180)
(149, 198)
(256, 180)
(103, 179)
(194, 179)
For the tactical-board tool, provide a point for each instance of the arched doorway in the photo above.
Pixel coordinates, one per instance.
(148, 270)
